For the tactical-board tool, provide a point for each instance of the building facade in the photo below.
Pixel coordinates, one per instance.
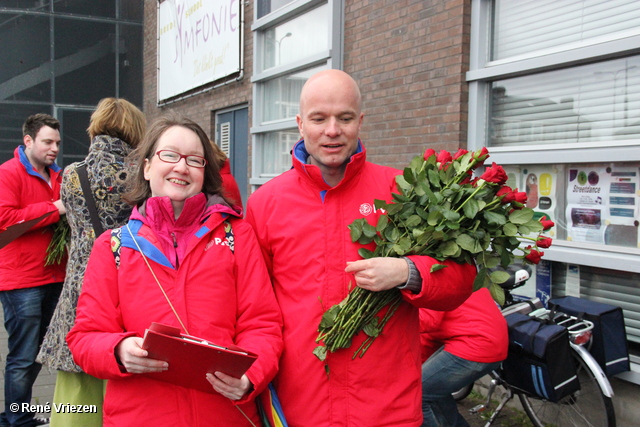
(61, 58)
(551, 88)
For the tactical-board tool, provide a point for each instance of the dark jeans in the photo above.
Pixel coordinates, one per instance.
(442, 374)
(27, 313)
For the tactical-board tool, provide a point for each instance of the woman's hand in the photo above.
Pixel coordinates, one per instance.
(229, 387)
(379, 274)
(134, 358)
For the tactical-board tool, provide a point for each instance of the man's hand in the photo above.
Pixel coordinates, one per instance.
(379, 274)
(134, 358)
(229, 387)
(61, 209)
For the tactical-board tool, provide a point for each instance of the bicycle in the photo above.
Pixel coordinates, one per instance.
(591, 405)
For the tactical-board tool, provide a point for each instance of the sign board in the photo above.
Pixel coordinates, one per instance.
(198, 43)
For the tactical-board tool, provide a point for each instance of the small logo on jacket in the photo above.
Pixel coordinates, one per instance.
(367, 209)
(219, 242)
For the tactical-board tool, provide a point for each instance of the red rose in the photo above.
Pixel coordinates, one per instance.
(508, 193)
(459, 153)
(544, 242)
(495, 174)
(467, 179)
(546, 223)
(533, 256)
(444, 157)
(428, 153)
(480, 156)
(520, 196)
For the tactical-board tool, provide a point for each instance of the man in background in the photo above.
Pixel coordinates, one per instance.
(29, 289)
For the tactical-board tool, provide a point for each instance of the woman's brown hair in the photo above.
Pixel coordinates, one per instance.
(118, 118)
(139, 186)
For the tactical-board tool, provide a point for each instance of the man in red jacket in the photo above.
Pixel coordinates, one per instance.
(29, 290)
(301, 219)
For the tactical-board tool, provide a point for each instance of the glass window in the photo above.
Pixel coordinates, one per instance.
(42, 5)
(526, 27)
(276, 156)
(265, 7)
(11, 119)
(281, 96)
(87, 7)
(298, 38)
(289, 48)
(25, 74)
(85, 66)
(590, 103)
(130, 64)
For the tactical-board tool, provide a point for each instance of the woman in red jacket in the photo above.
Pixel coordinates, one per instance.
(186, 260)
(458, 347)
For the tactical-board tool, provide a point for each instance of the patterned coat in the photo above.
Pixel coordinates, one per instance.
(107, 173)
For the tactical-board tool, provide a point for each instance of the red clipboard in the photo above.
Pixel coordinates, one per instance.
(191, 358)
(14, 231)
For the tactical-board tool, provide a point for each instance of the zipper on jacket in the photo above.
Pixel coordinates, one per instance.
(175, 246)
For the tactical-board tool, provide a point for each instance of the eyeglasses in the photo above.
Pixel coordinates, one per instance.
(192, 160)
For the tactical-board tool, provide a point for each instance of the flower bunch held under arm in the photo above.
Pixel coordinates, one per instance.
(58, 245)
(443, 212)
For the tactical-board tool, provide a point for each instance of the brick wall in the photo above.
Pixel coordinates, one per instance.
(409, 58)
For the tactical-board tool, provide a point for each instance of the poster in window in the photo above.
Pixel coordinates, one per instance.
(602, 204)
(198, 43)
(539, 182)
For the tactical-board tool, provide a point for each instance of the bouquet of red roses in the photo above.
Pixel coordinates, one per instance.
(444, 212)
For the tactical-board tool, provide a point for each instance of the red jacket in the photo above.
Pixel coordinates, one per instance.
(475, 331)
(221, 295)
(26, 195)
(230, 186)
(301, 224)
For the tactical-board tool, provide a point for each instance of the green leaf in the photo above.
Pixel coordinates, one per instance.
(494, 218)
(391, 233)
(497, 293)
(365, 253)
(436, 267)
(468, 243)
(380, 204)
(510, 229)
(403, 184)
(368, 230)
(481, 278)
(372, 328)
(434, 217)
(409, 178)
(470, 208)
(521, 216)
(449, 248)
(499, 276)
(383, 220)
(451, 215)
(413, 221)
(434, 178)
(394, 208)
(329, 317)
(356, 229)
(320, 352)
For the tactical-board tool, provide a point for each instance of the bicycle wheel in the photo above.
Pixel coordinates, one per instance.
(463, 392)
(586, 407)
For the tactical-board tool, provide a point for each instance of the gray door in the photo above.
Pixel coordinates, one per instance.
(232, 135)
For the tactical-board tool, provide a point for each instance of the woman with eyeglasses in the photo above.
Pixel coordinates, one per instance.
(185, 259)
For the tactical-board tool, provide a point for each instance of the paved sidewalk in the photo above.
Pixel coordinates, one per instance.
(42, 389)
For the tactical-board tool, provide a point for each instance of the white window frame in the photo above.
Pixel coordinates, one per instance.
(332, 58)
(483, 72)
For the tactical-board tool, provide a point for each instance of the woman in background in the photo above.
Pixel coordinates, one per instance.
(116, 128)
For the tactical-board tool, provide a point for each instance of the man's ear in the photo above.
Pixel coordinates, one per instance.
(28, 141)
(299, 122)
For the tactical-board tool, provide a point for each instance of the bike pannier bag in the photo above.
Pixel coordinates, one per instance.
(539, 360)
(609, 343)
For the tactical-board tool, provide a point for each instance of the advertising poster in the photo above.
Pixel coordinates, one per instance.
(198, 42)
(602, 204)
(540, 183)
